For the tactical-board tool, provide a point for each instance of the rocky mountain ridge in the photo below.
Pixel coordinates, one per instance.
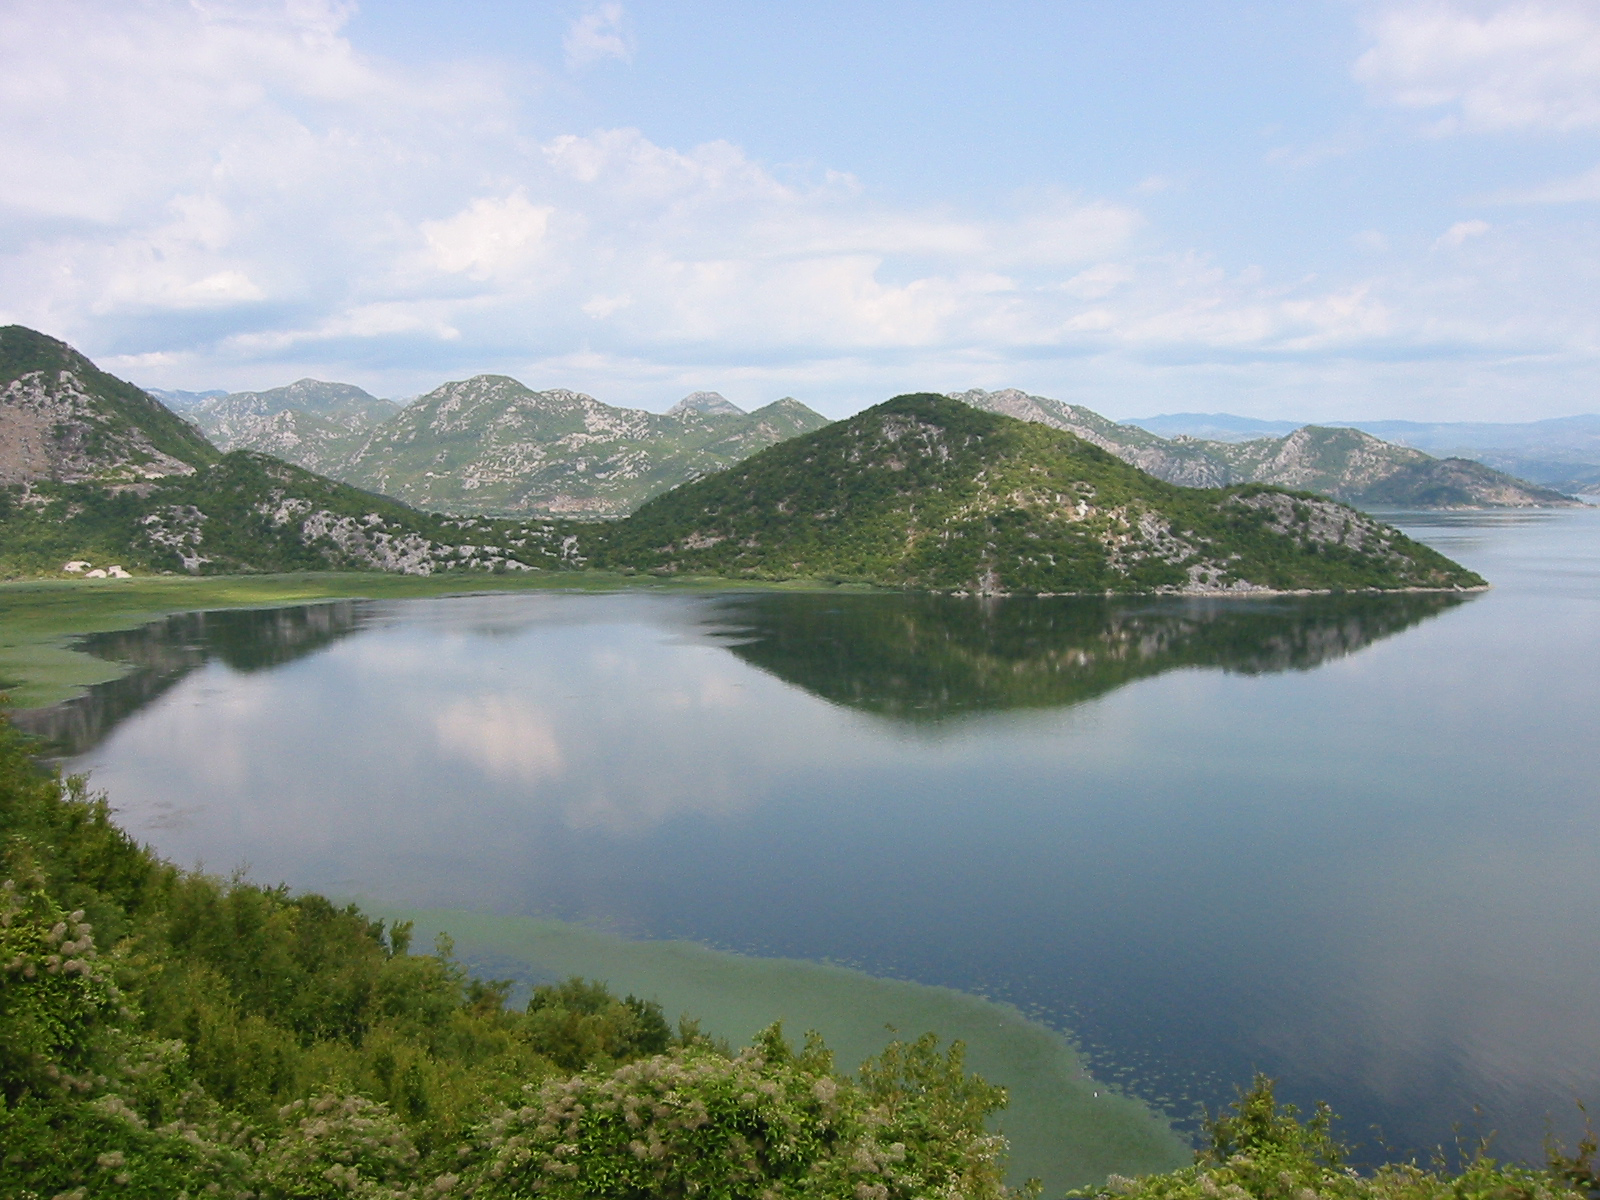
(491, 445)
(1561, 453)
(1344, 463)
(310, 423)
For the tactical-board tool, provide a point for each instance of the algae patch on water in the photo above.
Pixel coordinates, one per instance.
(1065, 1128)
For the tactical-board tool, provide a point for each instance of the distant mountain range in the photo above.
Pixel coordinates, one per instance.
(1347, 464)
(922, 492)
(1562, 453)
(490, 445)
(97, 473)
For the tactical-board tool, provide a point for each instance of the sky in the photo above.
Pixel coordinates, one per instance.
(1297, 209)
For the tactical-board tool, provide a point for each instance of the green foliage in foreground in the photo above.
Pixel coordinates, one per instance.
(1263, 1151)
(164, 1033)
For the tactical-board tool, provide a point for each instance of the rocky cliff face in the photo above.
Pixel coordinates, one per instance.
(1346, 464)
(63, 419)
(310, 423)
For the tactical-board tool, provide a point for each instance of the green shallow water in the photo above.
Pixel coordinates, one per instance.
(1065, 1128)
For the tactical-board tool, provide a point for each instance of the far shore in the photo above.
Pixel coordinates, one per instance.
(42, 619)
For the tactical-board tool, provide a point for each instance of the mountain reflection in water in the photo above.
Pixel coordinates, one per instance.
(914, 658)
(163, 652)
(927, 658)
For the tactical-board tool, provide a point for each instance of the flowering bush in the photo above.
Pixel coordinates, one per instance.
(765, 1123)
(336, 1148)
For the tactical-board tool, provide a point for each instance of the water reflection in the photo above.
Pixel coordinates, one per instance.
(165, 651)
(1206, 837)
(926, 658)
(912, 658)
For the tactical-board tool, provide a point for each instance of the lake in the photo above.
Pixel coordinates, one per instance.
(1348, 841)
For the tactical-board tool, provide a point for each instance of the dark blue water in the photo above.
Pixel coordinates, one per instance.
(1352, 842)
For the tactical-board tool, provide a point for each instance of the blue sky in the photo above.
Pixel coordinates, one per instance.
(1305, 210)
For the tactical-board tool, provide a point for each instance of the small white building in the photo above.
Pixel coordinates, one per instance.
(76, 566)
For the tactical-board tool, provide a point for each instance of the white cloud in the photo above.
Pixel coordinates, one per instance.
(1527, 65)
(1461, 232)
(597, 34)
(489, 236)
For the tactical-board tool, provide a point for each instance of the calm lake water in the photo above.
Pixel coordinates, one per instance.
(1352, 842)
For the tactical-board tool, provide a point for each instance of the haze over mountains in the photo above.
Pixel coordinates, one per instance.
(1562, 453)
(1344, 463)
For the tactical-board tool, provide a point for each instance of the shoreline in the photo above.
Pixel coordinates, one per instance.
(1064, 1125)
(41, 619)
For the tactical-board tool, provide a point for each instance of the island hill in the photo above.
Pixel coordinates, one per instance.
(922, 492)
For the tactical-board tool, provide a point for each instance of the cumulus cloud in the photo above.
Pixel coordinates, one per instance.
(490, 236)
(1529, 65)
(598, 34)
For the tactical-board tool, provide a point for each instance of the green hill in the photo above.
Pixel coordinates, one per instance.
(929, 493)
(246, 512)
(923, 492)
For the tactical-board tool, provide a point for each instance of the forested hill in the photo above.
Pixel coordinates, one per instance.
(246, 513)
(926, 492)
